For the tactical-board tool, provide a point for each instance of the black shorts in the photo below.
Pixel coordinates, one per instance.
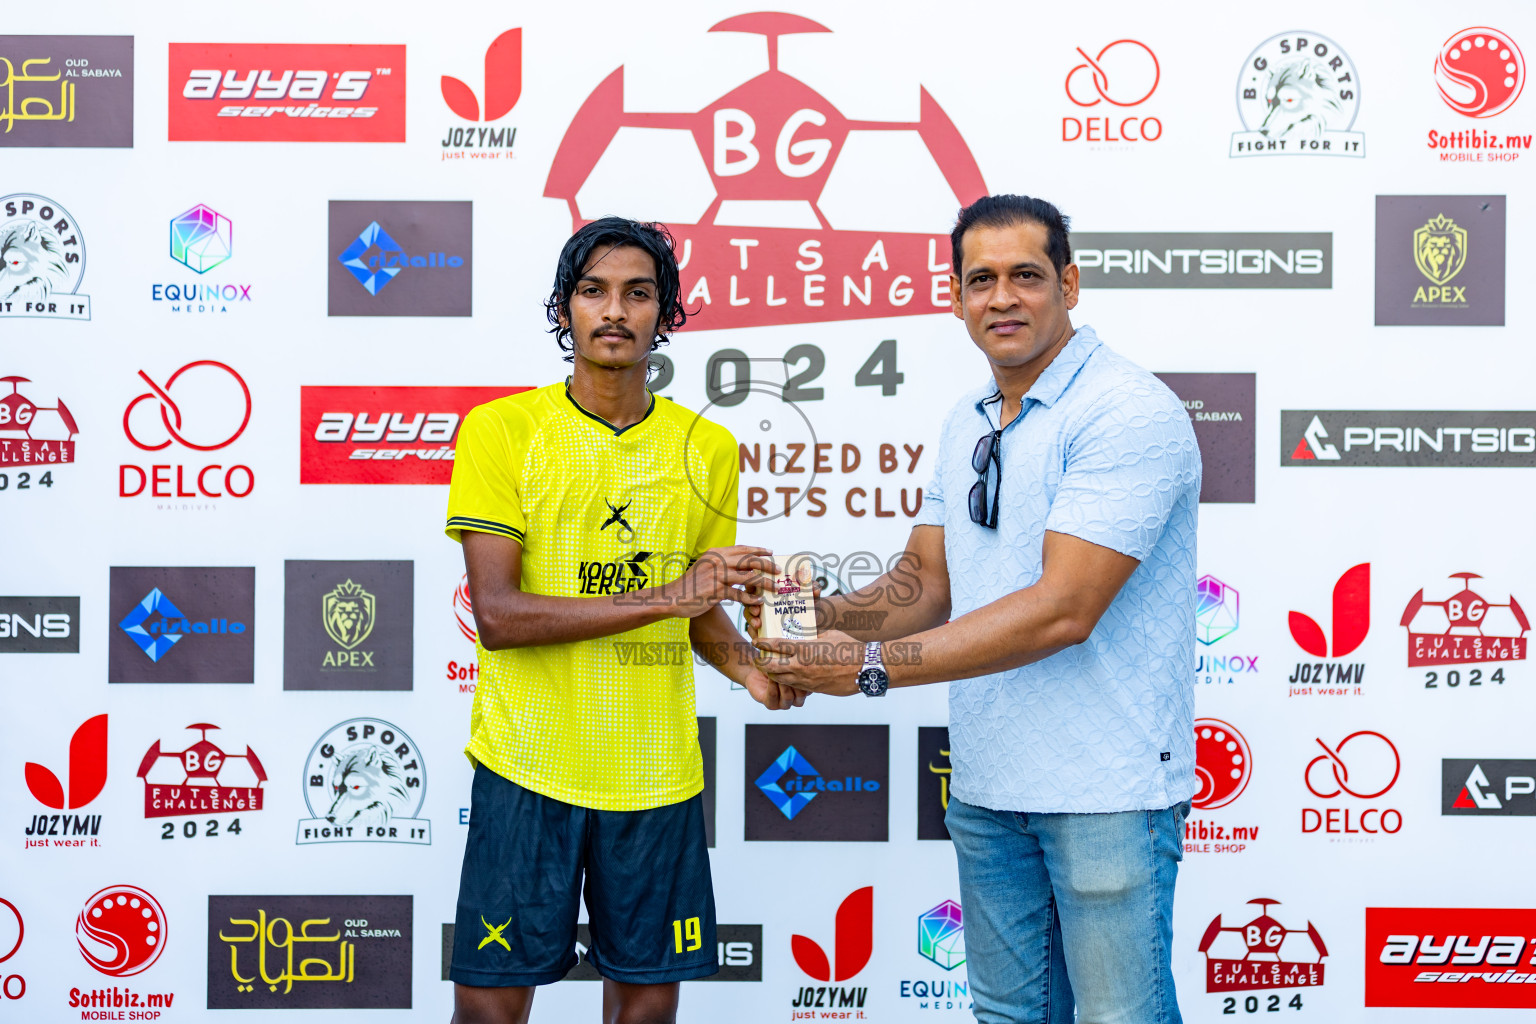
(650, 902)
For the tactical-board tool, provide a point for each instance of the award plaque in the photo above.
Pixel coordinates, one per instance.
(789, 609)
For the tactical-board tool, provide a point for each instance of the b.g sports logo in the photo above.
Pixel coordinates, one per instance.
(286, 92)
(768, 196)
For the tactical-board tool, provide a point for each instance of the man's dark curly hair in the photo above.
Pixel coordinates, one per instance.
(594, 241)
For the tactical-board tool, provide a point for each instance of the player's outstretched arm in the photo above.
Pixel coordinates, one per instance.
(506, 616)
(715, 639)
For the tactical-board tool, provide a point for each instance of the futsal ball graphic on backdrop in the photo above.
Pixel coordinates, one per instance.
(121, 931)
(32, 434)
(766, 193)
(200, 779)
(1464, 628)
(1262, 953)
(1480, 72)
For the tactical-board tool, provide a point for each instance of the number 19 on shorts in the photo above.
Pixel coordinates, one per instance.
(687, 936)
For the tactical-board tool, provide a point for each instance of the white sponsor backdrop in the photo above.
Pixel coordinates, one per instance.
(998, 73)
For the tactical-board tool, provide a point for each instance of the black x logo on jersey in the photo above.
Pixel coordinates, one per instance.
(617, 517)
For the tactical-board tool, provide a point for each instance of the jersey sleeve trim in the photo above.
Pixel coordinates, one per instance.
(485, 526)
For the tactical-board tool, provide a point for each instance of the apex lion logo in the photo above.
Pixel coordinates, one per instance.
(1303, 98)
(369, 786)
(348, 614)
(32, 263)
(1440, 249)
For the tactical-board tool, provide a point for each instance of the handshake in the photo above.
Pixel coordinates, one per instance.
(782, 607)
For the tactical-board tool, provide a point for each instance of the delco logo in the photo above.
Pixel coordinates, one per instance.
(1450, 957)
(767, 193)
(286, 92)
(386, 435)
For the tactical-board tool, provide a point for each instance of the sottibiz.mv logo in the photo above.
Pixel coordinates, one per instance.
(853, 943)
(769, 193)
(286, 92)
(399, 435)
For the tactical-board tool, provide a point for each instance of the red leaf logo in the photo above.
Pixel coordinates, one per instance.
(853, 940)
(87, 769)
(503, 81)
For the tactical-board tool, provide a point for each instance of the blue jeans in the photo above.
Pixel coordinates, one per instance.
(1069, 907)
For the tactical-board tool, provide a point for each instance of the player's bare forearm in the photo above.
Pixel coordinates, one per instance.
(506, 616)
(912, 597)
(717, 640)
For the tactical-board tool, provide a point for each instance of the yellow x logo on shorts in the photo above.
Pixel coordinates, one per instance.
(493, 934)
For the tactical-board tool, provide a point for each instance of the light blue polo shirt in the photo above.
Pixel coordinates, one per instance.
(1103, 451)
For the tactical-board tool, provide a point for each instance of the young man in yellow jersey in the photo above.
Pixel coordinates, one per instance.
(598, 526)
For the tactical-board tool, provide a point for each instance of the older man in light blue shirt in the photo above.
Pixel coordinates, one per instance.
(1056, 553)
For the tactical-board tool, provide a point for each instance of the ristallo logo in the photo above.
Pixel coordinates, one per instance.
(818, 782)
(1261, 953)
(202, 407)
(42, 260)
(1363, 766)
(1351, 622)
(503, 86)
(86, 778)
(179, 624)
(767, 192)
(286, 92)
(384, 435)
(1450, 957)
(1124, 73)
(33, 435)
(400, 258)
(1465, 628)
(853, 943)
(1223, 769)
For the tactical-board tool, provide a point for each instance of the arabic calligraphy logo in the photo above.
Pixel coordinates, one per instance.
(121, 930)
(264, 934)
(202, 238)
(348, 614)
(493, 934)
(1440, 249)
(1374, 758)
(1480, 72)
(216, 409)
(24, 111)
(1135, 69)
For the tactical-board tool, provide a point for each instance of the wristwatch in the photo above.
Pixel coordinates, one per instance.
(872, 678)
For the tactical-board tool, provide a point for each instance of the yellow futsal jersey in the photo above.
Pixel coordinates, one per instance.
(607, 723)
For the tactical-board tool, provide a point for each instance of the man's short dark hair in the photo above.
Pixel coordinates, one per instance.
(1007, 210)
(596, 240)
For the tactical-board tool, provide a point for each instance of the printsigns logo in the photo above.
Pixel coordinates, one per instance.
(1221, 407)
(309, 952)
(347, 625)
(154, 610)
(1465, 628)
(767, 193)
(503, 87)
(1261, 954)
(39, 625)
(1440, 260)
(819, 783)
(121, 930)
(384, 435)
(42, 260)
(941, 935)
(1223, 764)
(365, 781)
(33, 435)
(200, 779)
(852, 945)
(400, 258)
(1205, 259)
(1408, 951)
(1124, 73)
(67, 91)
(1492, 785)
(286, 92)
(1298, 94)
(1480, 72)
(1375, 438)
